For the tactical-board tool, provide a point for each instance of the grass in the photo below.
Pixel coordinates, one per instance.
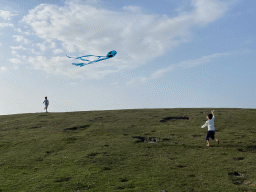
(128, 151)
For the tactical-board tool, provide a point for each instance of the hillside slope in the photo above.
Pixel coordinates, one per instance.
(128, 150)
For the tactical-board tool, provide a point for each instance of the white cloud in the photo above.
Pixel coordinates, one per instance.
(18, 48)
(41, 46)
(208, 10)
(62, 65)
(202, 60)
(15, 60)
(57, 51)
(3, 68)
(53, 45)
(6, 15)
(18, 29)
(137, 38)
(184, 64)
(46, 46)
(132, 81)
(15, 67)
(20, 38)
(132, 8)
(187, 64)
(34, 52)
(27, 33)
(6, 25)
(24, 32)
(161, 72)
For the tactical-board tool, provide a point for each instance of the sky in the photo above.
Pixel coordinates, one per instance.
(170, 54)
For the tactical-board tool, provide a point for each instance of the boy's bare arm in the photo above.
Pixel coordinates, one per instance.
(212, 112)
(204, 125)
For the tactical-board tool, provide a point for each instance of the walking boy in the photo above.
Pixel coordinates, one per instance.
(211, 129)
(46, 103)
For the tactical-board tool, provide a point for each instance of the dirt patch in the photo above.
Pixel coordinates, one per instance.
(70, 129)
(238, 158)
(36, 127)
(70, 140)
(123, 180)
(173, 118)
(96, 118)
(106, 168)
(76, 128)
(237, 178)
(63, 179)
(240, 150)
(196, 135)
(252, 149)
(93, 154)
(251, 183)
(146, 139)
(181, 166)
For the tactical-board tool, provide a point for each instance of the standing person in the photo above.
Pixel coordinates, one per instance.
(211, 128)
(46, 103)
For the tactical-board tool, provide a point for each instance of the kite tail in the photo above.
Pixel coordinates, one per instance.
(79, 64)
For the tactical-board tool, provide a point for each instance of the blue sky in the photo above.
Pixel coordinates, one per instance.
(170, 54)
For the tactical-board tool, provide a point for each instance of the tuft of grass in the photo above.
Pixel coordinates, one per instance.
(128, 150)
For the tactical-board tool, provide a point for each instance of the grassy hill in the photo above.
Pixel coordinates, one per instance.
(128, 150)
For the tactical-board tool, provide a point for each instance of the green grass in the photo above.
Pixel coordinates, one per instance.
(104, 151)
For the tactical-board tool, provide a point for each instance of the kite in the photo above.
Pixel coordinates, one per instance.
(87, 62)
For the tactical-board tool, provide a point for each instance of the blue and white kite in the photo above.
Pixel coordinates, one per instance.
(87, 62)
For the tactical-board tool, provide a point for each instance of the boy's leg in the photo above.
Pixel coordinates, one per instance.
(214, 138)
(208, 137)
